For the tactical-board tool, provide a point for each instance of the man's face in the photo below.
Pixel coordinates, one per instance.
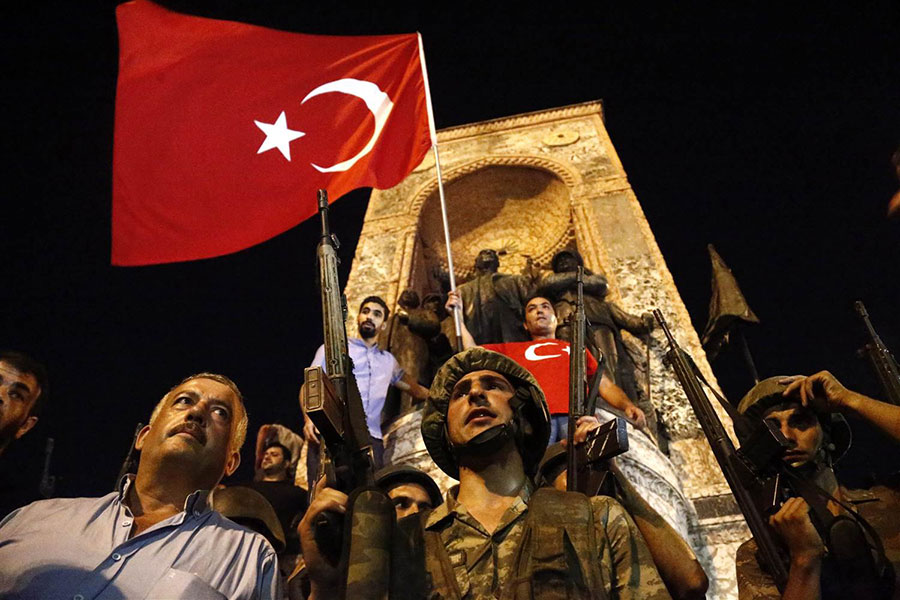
(479, 401)
(370, 320)
(802, 430)
(195, 427)
(273, 461)
(409, 499)
(540, 318)
(18, 393)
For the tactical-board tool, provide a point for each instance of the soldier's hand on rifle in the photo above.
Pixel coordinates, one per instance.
(822, 390)
(310, 433)
(796, 529)
(323, 576)
(583, 426)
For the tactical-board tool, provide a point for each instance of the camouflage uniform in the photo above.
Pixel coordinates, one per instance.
(564, 546)
(880, 506)
(484, 563)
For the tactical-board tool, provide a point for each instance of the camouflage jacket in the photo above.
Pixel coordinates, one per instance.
(484, 563)
(880, 506)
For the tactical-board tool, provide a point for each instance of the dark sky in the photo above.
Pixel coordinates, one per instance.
(767, 132)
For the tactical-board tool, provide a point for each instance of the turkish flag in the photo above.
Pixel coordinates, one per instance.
(224, 131)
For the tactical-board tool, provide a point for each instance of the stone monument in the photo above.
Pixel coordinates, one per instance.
(529, 186)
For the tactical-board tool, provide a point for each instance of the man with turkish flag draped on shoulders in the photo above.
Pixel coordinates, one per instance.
(224, 131)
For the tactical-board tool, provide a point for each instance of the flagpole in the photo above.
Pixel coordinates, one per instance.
(437, 164)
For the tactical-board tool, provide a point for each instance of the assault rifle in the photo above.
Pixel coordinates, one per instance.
(586, 463)
(883, 362)
(751, 471)
(331, 399)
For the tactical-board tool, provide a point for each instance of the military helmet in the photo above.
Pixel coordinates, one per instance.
(394, 475)
(245, 506)
(530, 422)
(769, 392)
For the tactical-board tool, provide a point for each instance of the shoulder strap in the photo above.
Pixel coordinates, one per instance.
(557, 556)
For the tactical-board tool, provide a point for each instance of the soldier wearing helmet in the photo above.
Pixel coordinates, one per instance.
(807, 412)
(486, 424)
(410, 489)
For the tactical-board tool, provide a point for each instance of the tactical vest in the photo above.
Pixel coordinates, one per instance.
(557, 558)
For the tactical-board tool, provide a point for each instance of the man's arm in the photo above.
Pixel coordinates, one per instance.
(454, 300)
(630, 323)
(323, 576)
(805, 547)
(410, 385)
(674, 559)
(554, 284)
(825, 391)
(634, 576)
(616, 397)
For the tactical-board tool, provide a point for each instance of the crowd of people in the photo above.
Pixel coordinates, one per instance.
(494, 417)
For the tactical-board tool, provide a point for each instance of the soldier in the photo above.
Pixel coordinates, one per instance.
(676, 562)
(801, 408)
(486, 424)
(411, 489)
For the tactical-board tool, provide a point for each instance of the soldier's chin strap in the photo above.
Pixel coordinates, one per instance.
(487, 442)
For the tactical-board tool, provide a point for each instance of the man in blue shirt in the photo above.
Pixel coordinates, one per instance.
(156, 537)
(375, 370)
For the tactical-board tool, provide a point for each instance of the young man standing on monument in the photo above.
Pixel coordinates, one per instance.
(547, 358)
(374, 369)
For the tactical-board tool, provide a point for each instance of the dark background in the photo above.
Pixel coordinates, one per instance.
(766, 131)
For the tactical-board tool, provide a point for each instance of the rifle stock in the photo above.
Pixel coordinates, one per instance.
(752, 488)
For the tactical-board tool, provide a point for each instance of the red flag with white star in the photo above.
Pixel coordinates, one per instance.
(224, 131)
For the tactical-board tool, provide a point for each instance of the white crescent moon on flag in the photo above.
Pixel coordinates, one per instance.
(377, 102)
(532, 355)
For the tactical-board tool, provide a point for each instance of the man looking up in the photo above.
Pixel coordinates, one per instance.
(486, 424)
(23, 389)
(547, 358)
(156, 537)
(374, 369)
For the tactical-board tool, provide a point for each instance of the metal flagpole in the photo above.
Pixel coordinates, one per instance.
(437, 164)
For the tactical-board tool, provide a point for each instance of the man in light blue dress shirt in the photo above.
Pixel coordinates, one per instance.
(157, 536)
(375, 370)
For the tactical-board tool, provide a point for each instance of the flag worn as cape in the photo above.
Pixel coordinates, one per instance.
(727, 306)
(224, 131)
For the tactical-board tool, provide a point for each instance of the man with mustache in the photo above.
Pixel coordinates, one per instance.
(375, 370)
(156, 537)
(486, 424)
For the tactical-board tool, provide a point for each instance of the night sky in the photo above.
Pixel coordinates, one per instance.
(766, 131)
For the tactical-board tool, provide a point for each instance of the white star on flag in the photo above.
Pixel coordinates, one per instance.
(278, 136)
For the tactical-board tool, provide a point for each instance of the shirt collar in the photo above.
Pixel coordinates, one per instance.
(451, 507)
(359, 342)
(196, 503)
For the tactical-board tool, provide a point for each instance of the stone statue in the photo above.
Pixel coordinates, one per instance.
(606, 318)
(432, 326)
(410, 351)
(494, 302)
